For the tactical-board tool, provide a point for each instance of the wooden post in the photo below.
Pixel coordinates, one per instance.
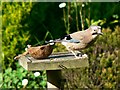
(53, 65)
(54, 79)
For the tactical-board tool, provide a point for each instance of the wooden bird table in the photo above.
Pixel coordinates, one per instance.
(53, 65)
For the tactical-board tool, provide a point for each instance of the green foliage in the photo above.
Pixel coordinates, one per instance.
(14, 33)
(45, 22)
(13, 78)
(15, 37)
(83, 14)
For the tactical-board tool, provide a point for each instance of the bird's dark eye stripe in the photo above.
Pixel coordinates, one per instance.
(94, 33)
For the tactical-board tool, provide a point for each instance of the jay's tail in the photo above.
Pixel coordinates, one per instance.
(54, 41)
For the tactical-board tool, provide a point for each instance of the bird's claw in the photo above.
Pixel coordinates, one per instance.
(84, 55)
(79, 56)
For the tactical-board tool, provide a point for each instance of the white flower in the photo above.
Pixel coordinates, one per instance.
(36, 74)
(62, 5)
(83, 5)
(24, 82)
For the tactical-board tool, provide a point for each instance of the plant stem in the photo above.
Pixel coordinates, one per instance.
(89, 16)
(81, 17)
(68, 24)
(64, 17)
(77, 26)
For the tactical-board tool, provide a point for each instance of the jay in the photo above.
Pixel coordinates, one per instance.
(77, 41)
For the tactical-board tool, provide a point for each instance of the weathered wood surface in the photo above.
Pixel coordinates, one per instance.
(53, 62)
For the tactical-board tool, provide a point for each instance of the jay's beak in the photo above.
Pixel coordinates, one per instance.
(99, 32)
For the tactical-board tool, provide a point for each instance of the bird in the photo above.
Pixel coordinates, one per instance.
(37, 52)
(77, 41)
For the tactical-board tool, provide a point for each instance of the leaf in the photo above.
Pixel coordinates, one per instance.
(43, 83)
(9, 70)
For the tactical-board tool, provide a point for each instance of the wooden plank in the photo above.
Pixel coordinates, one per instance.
(53, 62)
(23, 62)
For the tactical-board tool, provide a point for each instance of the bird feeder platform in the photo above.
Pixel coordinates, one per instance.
(53, 65)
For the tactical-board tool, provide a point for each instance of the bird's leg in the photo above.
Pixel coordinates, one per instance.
(81, 54)
(74, 54)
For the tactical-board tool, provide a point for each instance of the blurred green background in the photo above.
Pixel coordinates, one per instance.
(32, 23)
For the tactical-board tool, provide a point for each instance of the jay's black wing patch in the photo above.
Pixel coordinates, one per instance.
(68, 38)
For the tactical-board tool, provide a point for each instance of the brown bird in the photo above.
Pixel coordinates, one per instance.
(38, 52)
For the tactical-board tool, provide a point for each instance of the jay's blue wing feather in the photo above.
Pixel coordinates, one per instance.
(72, 41)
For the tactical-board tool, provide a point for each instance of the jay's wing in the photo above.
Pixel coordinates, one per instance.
(75, 37)
(80, 35)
